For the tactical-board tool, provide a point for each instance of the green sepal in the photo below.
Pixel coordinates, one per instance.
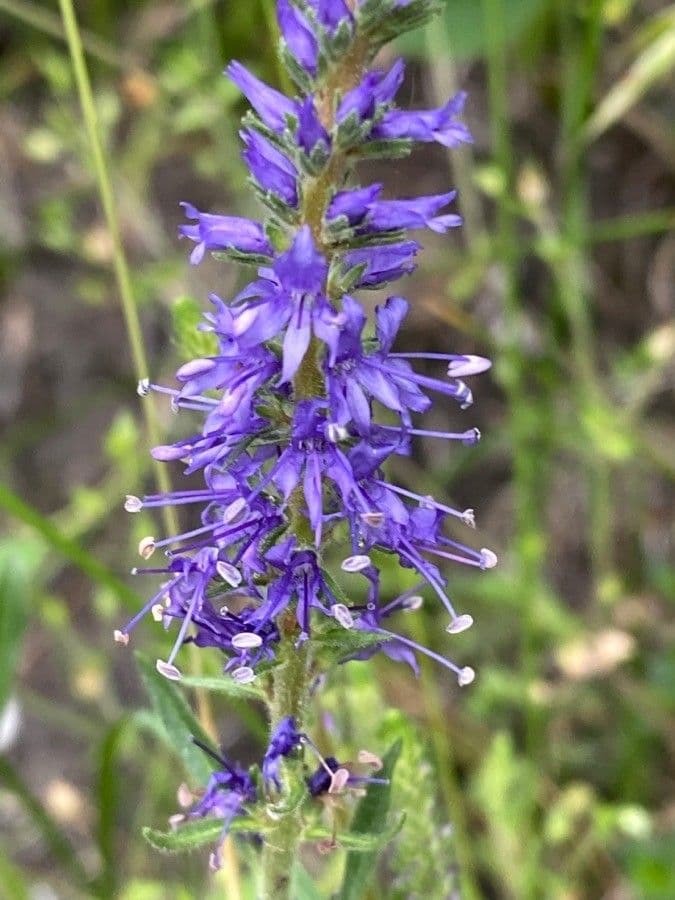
(249, 259)
(276, 205)
(357, 241)
(394, 148)
(342, 280)
(294, 69)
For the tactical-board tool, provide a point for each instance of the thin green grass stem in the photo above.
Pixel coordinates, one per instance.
(123, 277)
(524, 420)
(580, 48)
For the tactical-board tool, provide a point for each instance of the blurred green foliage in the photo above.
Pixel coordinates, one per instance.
(551, 777)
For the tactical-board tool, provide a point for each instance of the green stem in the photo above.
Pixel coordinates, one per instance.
(290, 680)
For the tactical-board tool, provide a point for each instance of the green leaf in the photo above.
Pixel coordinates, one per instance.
(186, 314)
(179, 722)
(369, 820)
(196, 834)
(17, 561)
(225, 685)
(302, 885)
(61, 848)
(108, 791)
(357, 842)
(335, 643)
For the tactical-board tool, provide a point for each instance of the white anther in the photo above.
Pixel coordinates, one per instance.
(224, 610)
(411, 604)
(228, 573)
(460, 624)
(133, 504)
(355, 563)
(336, 433)
(469, 518)
(184, 796)
(175, 821)
(121, 637)
(488, 559)
(168, 671)
(234, 510)
(468, 365)
(143, 387)
(373, 518)
(465, 676)
(243, 675)
(158, 612)
(246, 640)
(370, 759)
(338, 781)
(146, 547)
(342, 615)
(214, 862)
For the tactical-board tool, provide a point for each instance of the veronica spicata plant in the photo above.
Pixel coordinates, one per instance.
(294, 417)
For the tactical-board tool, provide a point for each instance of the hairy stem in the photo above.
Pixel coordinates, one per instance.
(290, 681)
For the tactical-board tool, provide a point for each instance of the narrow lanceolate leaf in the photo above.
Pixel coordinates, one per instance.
(370, 819)
(336, 644)
(194, 835)
(302, 886)
(17, 560)
(654, 64)
(356, 841)
(109, 791)
(50, 832)
(179, 722)
(224, 685)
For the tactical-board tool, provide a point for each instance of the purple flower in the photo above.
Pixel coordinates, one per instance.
(440, 125)
(228, 791)
(213, 232)
(372, 95)
(271, 169)
(310, 130)
(297, 35)
(285, 739)
(383, 263)
(331, 777)
(362, 208)
(273, 107)
(292, 294)
(331, 13)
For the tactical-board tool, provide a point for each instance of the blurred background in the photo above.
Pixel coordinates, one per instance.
(556, 767)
